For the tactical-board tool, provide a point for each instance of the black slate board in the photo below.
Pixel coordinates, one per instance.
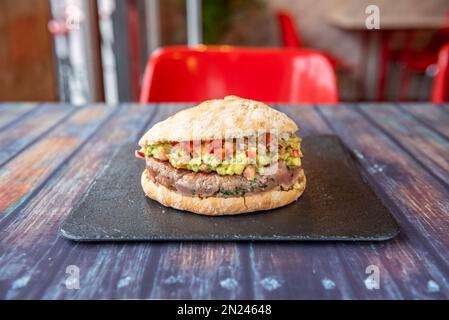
(337, 205)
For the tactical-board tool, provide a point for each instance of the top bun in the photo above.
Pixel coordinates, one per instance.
(231, 117)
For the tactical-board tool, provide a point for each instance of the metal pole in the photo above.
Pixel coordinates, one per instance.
(152, 24)
(121, 50)
(106, 9)
(194, 23)
(72, 25)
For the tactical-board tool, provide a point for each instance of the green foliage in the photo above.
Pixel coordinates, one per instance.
(217, 15)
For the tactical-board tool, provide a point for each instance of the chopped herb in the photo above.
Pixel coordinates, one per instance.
(239, 190)
(225, 192)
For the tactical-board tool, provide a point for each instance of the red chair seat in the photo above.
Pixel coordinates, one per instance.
(182, 74)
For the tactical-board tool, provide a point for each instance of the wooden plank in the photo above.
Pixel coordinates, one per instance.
(300, 270)
(27, 130)
(425, 145)
(339, 267)
(200, 271)
(24, 175)
(113, 272)
(308, 121)
(108, 270)
(431, 115)
(35, 256)
(324, 270)
(11, 112)
(415, 261)
(444, 107)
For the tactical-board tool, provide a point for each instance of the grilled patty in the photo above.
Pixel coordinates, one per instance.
(212, 184)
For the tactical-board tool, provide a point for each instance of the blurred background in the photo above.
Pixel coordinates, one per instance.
(83, 51)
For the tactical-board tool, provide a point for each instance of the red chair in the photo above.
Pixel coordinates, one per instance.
(440, 92)
(291, 39)
(182, 74)
(419, 61)
(289, 34)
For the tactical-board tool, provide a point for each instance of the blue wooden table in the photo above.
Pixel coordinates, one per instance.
(50, 154)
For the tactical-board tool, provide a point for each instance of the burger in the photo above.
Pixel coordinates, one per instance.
(223, 157)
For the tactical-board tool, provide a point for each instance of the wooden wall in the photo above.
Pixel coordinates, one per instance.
(27, 71)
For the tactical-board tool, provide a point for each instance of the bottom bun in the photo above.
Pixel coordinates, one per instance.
(218, 206)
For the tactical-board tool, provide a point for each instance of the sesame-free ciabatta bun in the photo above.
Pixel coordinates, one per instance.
(218, 206)
(231, 117)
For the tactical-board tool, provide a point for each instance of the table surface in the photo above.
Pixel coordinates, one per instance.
(50, 154)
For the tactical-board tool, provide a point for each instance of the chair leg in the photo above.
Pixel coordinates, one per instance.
(404, 82)
(384, 63)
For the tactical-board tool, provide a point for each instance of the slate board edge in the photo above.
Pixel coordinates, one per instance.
(72, 237)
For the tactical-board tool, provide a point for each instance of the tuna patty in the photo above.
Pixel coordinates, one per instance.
(212, 184)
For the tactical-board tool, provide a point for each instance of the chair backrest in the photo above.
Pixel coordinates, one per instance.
(440, 92)
(182, 74)
(289, 32)
(441, 35)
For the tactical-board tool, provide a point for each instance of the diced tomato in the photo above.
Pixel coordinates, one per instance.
(187, 146)
(139, 154)
(249, 172)
(220, 153)
(211, 145)
(268, 138)
(251, 154)
(174, 143)
(229, 149)
(207, 147)
(295, 153)
(217, 143)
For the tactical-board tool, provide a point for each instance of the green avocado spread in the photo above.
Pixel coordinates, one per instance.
(224, 160)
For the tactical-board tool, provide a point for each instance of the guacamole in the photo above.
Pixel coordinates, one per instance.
(215, 156)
